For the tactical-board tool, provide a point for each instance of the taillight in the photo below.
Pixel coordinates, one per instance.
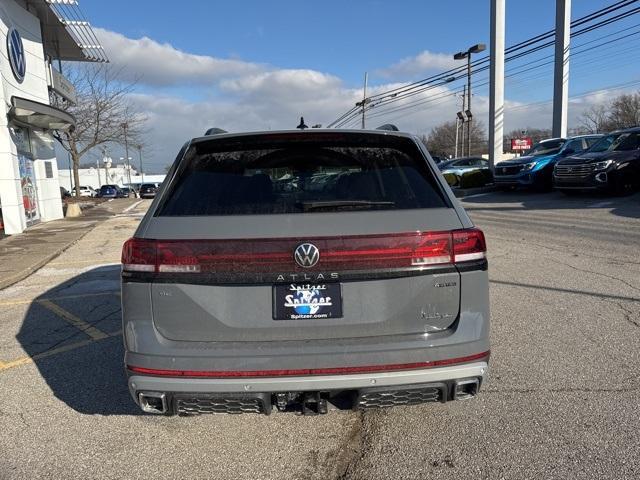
(268, 255)
(468, 245)
(139, 255)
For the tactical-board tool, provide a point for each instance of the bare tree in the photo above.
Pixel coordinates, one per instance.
(441, 140)
(595, 119)
(624, 111)
(102, 110)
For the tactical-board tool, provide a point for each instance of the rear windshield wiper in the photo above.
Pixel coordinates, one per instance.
(340, 204)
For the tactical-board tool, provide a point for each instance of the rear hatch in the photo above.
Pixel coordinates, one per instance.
(305, 236)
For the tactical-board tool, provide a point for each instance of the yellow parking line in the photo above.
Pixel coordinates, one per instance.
(116, 261)
(54, 351)
(80, 324)
(23, 301)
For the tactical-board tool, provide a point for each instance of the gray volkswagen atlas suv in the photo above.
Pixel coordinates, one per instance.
(300, 270)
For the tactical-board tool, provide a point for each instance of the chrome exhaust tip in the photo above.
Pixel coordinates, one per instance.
(153, 402)
(466, 389)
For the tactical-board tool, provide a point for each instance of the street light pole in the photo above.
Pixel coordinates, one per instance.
(480, 47)
(140, 156)
(126, 152)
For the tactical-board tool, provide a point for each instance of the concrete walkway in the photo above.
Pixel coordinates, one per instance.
(23, 254)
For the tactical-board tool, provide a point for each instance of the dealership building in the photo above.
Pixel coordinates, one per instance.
(36, 36)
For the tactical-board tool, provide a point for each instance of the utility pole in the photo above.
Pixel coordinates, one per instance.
(463, 119)
(140, 156)
(468, 111)
(98, 169)
(480, 47)
(70, 177)
(125, 125)
(561, 68)
(455, 155)
(364, 98)
(496, 82)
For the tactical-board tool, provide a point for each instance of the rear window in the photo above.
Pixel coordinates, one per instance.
(305, 174)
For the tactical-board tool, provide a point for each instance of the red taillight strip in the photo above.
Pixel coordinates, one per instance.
(342, 253)
(309, 371)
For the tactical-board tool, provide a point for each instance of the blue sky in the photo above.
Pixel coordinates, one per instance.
(259, 64)
(345, 38)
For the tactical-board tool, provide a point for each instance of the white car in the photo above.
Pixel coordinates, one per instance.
(87, 191)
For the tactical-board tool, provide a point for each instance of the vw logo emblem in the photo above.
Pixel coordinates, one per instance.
(15, 50)
(306, 255)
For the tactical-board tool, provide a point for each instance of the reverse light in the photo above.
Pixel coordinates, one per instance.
(602, 165)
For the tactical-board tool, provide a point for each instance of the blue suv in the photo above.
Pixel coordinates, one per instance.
(536, 168)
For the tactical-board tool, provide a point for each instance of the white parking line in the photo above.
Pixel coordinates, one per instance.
(600, 205)
(128, 209)
(477, 195)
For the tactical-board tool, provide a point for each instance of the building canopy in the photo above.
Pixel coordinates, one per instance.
(66, 35)
(39, 115)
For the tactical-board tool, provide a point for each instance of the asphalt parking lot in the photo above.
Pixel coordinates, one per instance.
(561, 401)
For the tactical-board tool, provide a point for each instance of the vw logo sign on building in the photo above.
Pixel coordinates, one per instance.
(306, 255)
(15, 52)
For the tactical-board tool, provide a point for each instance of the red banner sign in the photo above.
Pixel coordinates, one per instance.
(521, 143)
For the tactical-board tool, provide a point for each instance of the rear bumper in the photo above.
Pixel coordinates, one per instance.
(306, 383)
(188, 396)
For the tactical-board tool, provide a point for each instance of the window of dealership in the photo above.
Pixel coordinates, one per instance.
(33, 36)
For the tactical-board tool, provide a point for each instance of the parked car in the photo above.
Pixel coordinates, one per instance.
(64, 193)
(87, 191)
(370, 291)
(148, 190)
(466, 172)
(111, 191)
(612, 164)
(462, 165)
(129, 192)
(535, 169)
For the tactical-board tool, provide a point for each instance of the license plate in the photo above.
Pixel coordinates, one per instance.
(305, 301)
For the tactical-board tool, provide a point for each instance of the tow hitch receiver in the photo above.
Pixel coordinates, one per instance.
(313, 404)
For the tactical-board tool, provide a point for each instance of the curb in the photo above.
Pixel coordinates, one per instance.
(22, 274)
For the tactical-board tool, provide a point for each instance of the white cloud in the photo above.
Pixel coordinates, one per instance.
(161, 64)
(253, 96)
(421, 63)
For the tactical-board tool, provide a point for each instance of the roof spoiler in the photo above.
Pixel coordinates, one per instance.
(388, 126)
(214, 131)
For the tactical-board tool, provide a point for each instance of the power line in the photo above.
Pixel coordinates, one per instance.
(415, 88)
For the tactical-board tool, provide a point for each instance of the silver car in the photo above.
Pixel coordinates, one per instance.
(304, 270)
